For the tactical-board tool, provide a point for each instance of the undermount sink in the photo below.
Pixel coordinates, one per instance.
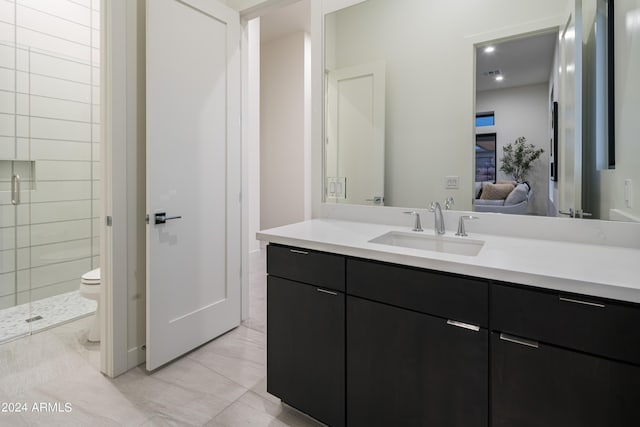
(457, 246)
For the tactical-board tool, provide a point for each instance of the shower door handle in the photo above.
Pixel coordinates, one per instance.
(15, 190)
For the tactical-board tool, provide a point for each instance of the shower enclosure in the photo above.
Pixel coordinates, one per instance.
(49, 160)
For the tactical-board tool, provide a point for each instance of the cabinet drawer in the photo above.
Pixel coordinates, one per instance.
(303, 265)
(451, 297)
(582, 323)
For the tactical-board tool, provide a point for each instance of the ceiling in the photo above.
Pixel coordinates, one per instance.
(286, 20)
(524, 61)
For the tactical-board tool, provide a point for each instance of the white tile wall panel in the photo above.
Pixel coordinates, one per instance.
(60, 252)
(95, 75)
(58, 129)
(22, 126)
(46, 43)
(60, 170)
(7, 216)
(24, 258)
(61, 89)
(23, 280)
(22, 104)
(22, 57)
(57, 273)
(7, 102)
(95, 57)
(6, 302)
(7, 11)
(59, 109)
(85, 3)
(52, 191)
(43, 149)
(48, 291)
(22, 149)
(22, 84)
(7, 261)
(52, 66)
(52, 25)
(95, 227)
(23, 236)
(60, 211)
(7, 56)
(95, 19)
(6, 170)
(6, 32)
(7, 79)
(96, 204)
(7, 238)
(95, 39)
(7, 125)
(7, 283)
(97, 169)
(7, 147)
(95, 114)
(95, 263)
(63, 8)
(55, 232)
(96, 188)
(95, 154)
(95, 94)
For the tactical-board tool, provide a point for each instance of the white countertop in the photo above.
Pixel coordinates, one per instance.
(598, 270)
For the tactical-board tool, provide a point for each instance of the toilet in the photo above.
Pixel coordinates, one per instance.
(90, 289)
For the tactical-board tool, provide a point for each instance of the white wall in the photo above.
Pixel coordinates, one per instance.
(282, 131)
(253, 132)
(627, 125)
(428, 49)
(50, 114)
(522, 111)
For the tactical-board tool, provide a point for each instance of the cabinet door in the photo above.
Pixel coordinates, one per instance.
(305, 348)
(410, 369)
(538, 385)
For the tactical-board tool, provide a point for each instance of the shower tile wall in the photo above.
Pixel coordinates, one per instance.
(49, 115)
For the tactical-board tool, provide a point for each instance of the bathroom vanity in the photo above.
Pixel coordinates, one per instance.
(366, 334)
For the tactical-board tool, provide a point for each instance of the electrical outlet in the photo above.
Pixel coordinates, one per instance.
(452, 182)
(628, 193)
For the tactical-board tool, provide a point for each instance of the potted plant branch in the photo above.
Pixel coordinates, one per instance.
(518, 158)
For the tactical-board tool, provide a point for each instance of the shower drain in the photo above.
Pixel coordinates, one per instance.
(33, 319)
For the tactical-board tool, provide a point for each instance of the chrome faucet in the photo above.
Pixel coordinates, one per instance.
(461, 231)
(437, 215)
(418, 225)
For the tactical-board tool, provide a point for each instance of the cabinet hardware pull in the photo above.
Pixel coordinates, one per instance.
(520, 341)
(575, 301)
(324, 291)
(295, 251)
(463, 325)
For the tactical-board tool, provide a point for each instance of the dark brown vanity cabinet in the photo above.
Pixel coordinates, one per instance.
(367, 343)
(407, 367)
(305, 331)
(563, 360)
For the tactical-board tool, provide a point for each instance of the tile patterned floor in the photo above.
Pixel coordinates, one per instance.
(219, 384)
(52, 310)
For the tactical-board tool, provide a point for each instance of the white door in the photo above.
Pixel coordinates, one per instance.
(355, 134)
(570, 103)
(193, 172)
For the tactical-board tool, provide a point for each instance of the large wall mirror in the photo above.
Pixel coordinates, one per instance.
(424, 100)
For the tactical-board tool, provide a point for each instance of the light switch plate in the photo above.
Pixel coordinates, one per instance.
(452, 182)
(628, 191)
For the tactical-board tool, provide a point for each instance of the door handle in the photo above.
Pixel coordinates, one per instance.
(161, 218)
(520, 341)
(15, 190)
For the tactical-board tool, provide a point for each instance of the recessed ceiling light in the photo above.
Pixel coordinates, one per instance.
(499, 78)
(489, 49)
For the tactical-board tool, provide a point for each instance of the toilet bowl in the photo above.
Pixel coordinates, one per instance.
(90, 289)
